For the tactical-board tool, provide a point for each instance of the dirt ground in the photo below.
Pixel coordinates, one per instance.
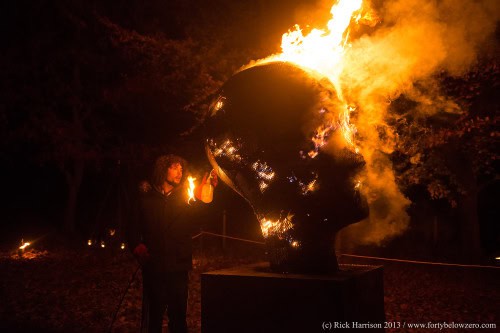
(79, 289)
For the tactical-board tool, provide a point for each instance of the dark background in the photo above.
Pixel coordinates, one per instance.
(86, 85)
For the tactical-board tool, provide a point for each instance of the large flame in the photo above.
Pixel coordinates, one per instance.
(321, 52)
(414, 41)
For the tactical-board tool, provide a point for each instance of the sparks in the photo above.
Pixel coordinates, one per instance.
(320, 138)
(275, 228)
(227, 149)
(264, 174)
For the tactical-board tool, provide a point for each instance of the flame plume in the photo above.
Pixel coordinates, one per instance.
(412, 42)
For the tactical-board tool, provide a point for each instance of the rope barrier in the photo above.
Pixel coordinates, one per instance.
(230, 237)
(420, 262)
(196, 236)
(132, 278)
(358, 256)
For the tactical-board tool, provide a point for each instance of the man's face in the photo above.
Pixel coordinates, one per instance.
(174, 173)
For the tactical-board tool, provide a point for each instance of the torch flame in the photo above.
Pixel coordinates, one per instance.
(190, 190)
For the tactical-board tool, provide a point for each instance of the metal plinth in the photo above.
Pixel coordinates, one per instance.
(253, 299)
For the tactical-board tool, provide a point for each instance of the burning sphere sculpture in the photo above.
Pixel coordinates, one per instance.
(270, 135)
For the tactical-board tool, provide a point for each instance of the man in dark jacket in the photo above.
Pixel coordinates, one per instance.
(165, 224)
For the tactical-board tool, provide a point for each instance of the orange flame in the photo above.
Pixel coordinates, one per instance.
(190, 190)
(321, 52)
(277, 228)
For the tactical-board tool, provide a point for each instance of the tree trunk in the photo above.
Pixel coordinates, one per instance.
(467, 214)
(74, 178)
(470, 237)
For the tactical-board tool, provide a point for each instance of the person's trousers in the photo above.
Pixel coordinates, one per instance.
(166, 291)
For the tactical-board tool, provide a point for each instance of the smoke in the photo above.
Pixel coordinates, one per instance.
(415, 40)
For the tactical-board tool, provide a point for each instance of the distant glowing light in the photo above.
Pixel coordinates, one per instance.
(24, 245)
(89, 242)
(122, 246)
(103, 245)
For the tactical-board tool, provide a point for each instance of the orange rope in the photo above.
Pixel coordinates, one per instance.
(230, 237)
(358, 256)
(419, 262)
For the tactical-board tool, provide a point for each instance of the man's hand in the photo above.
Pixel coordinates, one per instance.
(214, 180)
(141, 253)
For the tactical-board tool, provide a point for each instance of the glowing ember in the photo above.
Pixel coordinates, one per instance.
(219, 104)
(275, 228)
(24, 245)
(89, 242)
(190, 190)
(310, 187)
(264, 174)
(320, 138)
(227, 149)
(122, 246)
(103, 245)
(357, 185)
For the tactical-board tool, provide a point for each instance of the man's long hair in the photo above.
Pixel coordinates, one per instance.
(161, 166)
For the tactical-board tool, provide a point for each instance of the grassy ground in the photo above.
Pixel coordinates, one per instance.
(78, 290)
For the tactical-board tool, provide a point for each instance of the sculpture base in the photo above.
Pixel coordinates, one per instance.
(253, 299)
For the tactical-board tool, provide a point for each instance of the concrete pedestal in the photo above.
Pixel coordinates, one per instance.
(253, 299)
